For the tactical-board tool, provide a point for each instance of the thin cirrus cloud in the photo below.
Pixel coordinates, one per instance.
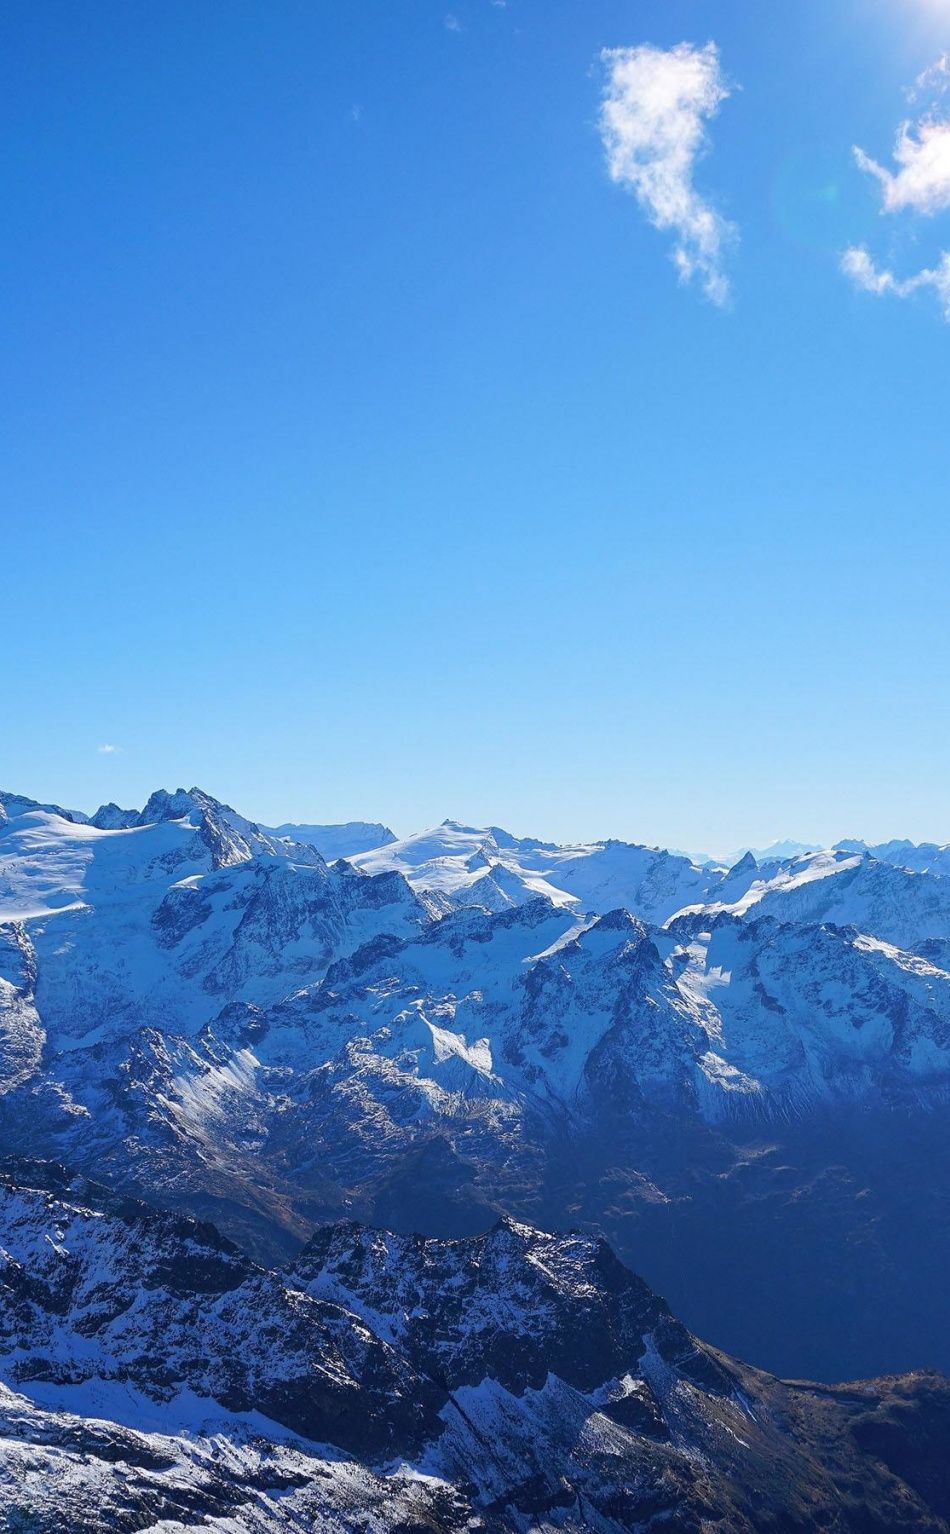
(657, 102)
(932, 81)
(108, 750)
(857, 264)
(920, 183)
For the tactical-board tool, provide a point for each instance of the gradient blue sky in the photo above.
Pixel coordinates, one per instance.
(363, 456)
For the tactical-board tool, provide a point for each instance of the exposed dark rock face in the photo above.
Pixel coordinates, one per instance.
(163, 1304)
(573, 1309)
(509, 1381)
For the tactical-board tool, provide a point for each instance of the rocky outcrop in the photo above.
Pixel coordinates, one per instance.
(153, 1374)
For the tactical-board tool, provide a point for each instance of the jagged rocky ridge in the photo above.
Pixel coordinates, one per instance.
(153, 1376)
(749, 1098)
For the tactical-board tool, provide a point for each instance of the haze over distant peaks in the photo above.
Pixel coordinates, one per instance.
(337, 841)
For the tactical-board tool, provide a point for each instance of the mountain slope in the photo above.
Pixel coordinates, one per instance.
(515, 1380)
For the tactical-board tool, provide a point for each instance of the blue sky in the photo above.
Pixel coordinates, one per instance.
(365, 457)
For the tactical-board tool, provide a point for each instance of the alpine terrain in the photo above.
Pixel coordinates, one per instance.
(155, 1377)
(285, 1112)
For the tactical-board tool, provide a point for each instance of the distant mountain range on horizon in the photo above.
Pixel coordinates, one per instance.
(350, 838)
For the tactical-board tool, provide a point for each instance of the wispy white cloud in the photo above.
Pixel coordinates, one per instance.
(934, 81)
(451, 22)
(919, 184)
(922, 179)
(656, 104)
(856, 263)
(921, 153)
(108, 750)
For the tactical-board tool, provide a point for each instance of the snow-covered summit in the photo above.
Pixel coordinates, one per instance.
(848, 888)
(13, 805)
(919, 857)
(336, 841)
(112, 817)
(162, 920)
(492, 868)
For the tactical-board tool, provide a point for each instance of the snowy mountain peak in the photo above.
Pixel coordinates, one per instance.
(491, 868)
(230, 837)
(12, 805)
(619, 920)
(163, 805)
(111, 817)
(746, 865)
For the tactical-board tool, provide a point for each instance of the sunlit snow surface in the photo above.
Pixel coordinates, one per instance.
(493, 869)
(197, 971)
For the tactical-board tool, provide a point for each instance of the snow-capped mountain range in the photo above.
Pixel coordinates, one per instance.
(493, 870)
(153, 1377)
(461, 1024)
